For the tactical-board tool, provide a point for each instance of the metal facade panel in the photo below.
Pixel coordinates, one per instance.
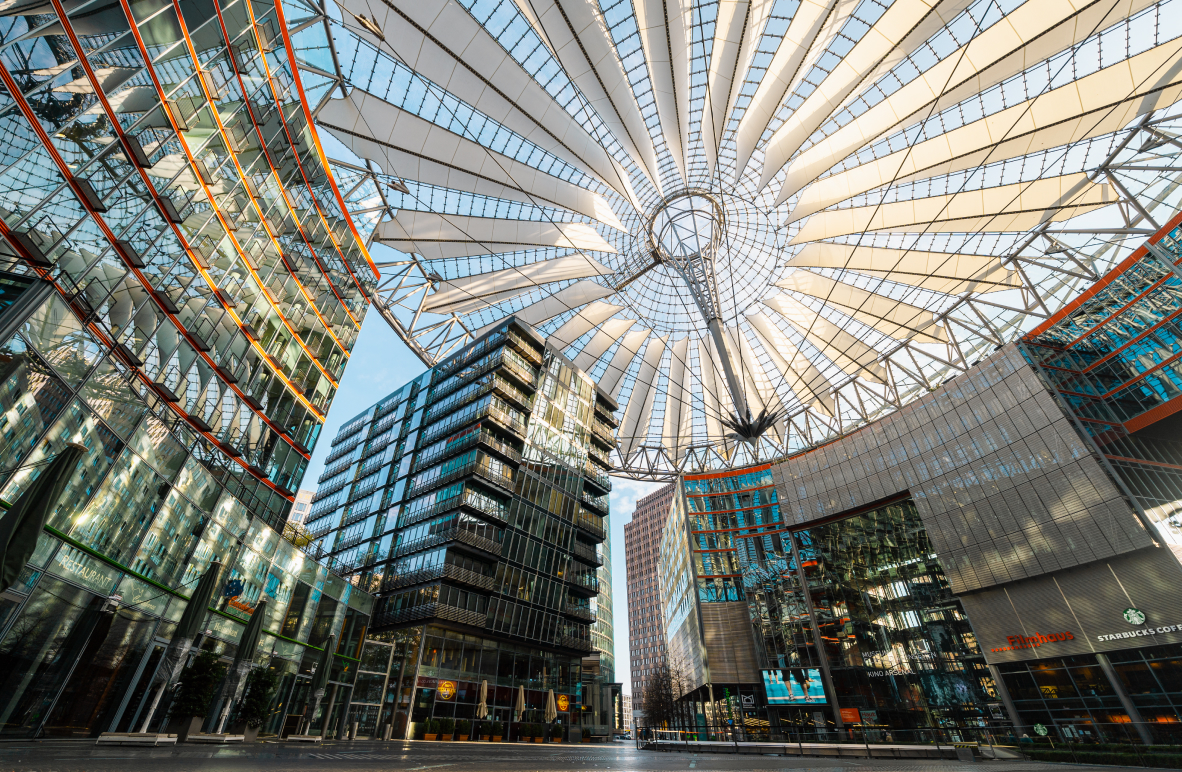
(1004, 484)
(1088, 602)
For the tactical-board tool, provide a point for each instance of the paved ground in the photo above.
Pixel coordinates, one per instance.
(83, 756)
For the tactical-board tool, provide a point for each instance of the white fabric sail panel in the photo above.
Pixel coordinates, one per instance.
(810, 17)
(758, 12)
(413, 148)
(847, 352)
(808, 383)
(612, 379)
(757, 383)
(847, 74)
(574, 296)
(639, 413)
(520, 279)
(581, 323)
(576, 32)
(1031, 33)
(611, 331)
(434, 236)
(1094, 105)
(441, 41)
(663, 36)
(1017, 207)
(676, 432)
(887, 315)
(944, 272)
(716, 402)
(729, 28)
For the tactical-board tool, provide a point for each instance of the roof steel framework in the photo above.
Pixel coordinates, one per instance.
(878, 191)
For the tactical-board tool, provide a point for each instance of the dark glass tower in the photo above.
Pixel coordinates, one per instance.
(473, 501)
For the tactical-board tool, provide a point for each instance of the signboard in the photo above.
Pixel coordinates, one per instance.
(563, 703)
(793, 686)
(427, 683)
(447, 690)
(818, 719)
(850, 716)
(869, 717)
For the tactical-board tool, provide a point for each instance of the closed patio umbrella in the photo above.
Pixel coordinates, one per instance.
(551, 708)
(182, 640)
(520, 703)
(22, 525)
(482, 706)
(320, 677)
(248, 645)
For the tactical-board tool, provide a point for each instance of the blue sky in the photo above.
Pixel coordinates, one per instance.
(381, 363)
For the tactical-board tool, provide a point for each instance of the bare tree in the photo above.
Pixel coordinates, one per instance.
(662, 701)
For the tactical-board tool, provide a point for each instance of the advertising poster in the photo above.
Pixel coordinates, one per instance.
(793, 686)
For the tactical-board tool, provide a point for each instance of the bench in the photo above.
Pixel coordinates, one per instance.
(135, 738)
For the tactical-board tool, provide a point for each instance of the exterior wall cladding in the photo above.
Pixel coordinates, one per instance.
(1001, 552)
(181, 287)
(473, 501)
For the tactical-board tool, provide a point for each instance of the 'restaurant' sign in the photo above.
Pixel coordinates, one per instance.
(1034, 641)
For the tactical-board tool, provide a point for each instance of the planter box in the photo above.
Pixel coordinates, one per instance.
(463, 738)
(445, 738)
(539, 739)
(496, 738)
(430, 736)
(484, 738)
(526, 739)
(556, 740)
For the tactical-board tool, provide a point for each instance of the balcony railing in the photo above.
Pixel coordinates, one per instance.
(481, 437)
(468, 499)
(524, 347)
(457, 421)
(456, 534)
(597, 478)
(598, 503)
(571, 642)
(604, 414)
(431, 611)
(452, 573)
(479, 467)
(591, 524)
(579, 611)
(586, 553)
(584, 580)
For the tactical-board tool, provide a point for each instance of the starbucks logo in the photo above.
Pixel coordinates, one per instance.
(1134, 616)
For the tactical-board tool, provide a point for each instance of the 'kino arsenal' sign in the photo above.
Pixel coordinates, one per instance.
(1033, 641)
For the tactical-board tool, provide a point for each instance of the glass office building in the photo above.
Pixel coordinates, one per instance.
(182, 285)
(857, 614)
(473, 501)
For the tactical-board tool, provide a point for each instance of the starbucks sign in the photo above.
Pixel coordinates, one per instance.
(1134, 616)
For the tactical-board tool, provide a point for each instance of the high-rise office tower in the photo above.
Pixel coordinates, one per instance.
(642, 545)
(473, 500)
(182, 285)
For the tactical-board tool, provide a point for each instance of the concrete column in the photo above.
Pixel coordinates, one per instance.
(1125, 700)
(1006, 700)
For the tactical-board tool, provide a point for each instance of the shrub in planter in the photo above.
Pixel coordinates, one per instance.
(462, 727)
(432, 730)
(198, 686)
(498, 731)
(446, 727)
(556, 733)
(255, 705)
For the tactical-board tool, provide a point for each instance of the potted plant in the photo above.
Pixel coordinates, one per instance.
(198, 685)
(539, 733)
(525, 732)
(255, 705)
(446, 727)
(462, 729)
(482, 730)
(432, 730)
(556, 733)
(498, 731)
